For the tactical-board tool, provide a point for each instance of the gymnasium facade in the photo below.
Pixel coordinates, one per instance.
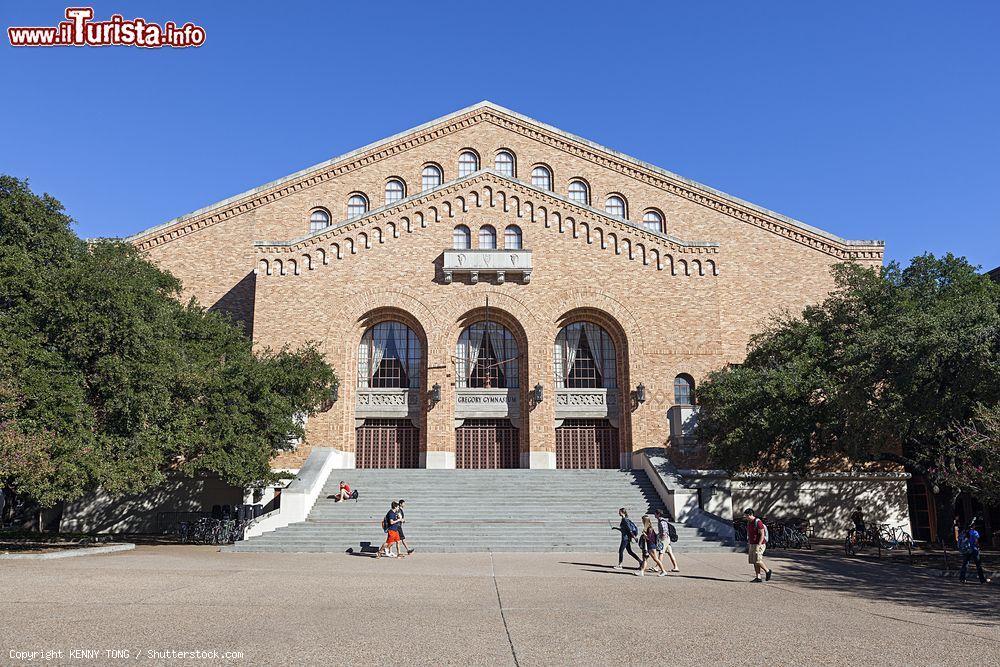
(494, 292)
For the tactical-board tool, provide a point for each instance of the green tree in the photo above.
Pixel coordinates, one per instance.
(109, 380)
(883, 369)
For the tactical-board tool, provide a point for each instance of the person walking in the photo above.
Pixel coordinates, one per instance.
(968, 544)
(666, 534)
(402, 520)
(650, 549)
(390, 524)
(629, 532)
(756, 543)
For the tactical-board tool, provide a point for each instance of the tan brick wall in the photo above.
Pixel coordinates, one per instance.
(673, 323)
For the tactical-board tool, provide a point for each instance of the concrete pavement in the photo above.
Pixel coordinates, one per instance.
(500, 609)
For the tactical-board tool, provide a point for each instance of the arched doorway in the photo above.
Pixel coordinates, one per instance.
(488, 396)
(388, 410)
(588, 361)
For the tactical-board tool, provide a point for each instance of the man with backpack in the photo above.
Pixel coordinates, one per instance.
(390, 524)
(968, 545)
(629, 532)
(667, 534)
(756, 543)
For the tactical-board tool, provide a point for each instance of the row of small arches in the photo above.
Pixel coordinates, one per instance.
(505, 163)
(508, 203)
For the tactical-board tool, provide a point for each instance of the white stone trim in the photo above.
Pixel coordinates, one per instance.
(438, 460)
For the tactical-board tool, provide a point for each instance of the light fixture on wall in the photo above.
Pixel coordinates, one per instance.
(640, 394)
(436, 393)
(538, 394)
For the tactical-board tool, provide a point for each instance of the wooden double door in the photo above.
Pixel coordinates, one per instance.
(487, 443)
(587, 443)
(387, 443)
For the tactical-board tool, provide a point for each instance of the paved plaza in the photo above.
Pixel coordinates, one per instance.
(504, 609)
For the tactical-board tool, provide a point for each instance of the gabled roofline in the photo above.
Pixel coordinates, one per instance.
(424, 194)
(486, 104)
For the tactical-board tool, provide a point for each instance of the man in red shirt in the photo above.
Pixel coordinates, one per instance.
(756, 543)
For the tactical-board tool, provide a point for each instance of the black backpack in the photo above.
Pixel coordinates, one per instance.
(672, 532)
(354, 494)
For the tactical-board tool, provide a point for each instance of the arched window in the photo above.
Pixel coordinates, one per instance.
(318, 219)
(504, 164)
(430, 177)
(389, 357)
(487, 237)
(357, 206)
(584, 357)
(653, 221)
(512, 238)
(683, 390)
(486, 357)
(541, 177)
(394, 191)
(468, 162)
(615, 207)
(579, 193)
(461, 238)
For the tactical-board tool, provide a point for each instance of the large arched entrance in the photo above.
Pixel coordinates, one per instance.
(388, 410)
(489, 392)
(591, 415)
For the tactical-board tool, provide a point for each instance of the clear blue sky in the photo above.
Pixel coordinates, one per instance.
(867, 119)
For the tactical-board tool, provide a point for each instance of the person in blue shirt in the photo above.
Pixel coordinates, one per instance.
(971, 554)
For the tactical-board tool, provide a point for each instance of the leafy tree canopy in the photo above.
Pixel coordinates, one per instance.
(108, 379)
(892, 366)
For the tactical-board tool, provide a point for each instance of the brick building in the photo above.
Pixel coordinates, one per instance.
(495, 292)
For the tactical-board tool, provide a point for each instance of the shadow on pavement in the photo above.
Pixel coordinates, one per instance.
(892, 582)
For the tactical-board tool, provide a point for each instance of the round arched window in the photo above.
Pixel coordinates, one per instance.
(318, 219)
(584, 357)
(461, 238)
(394, 191)
(653, 221)
(487, 237)
(683, 390)
(504, 163)
(487, 357)
(615, 207)
(541, 177)
(430, 177)
(579, 193)
(389, 357)
(468, 163)
(512, 238)
(357, 206)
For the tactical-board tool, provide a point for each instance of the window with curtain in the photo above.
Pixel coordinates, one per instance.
(653, 221)
(461, 238)
(394, 191)
(512, 238)
(389, 357)
(318, 220)
(430, 177)
(487, 237)
(579, 193)
(357, 206)
(486, 357)
(541, 177)
(584, 357)
(504, 163)
(683, 390)
(468, 163)
(615, 207)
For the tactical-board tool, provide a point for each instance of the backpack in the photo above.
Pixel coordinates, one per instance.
(385, 523)
(672, 532)
(632, 529)
(964, 544)
(354, 494)
(763, 526)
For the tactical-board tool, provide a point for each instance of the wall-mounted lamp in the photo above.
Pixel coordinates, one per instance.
(538, 394)
(436, 393)
(640, 393)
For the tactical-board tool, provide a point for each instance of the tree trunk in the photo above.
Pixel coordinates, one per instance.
(946, 501)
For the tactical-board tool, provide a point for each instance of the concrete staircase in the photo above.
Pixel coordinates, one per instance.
(479, 510)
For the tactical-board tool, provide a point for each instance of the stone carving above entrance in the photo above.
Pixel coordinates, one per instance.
(496, 263)
(596, 403)
(386, 403)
